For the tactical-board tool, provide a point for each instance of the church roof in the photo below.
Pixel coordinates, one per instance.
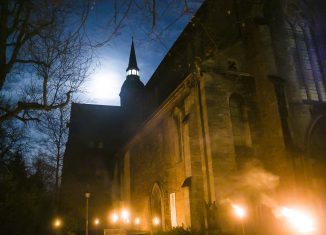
(132, 58)
(179, 62)
(91, 124)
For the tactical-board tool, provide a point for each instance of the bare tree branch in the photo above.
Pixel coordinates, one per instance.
(53, 127)
(21, 106)
(34, 40)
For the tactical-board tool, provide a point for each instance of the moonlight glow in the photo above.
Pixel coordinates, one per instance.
(104, 86)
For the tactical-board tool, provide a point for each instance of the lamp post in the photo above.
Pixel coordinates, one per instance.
(87, 195)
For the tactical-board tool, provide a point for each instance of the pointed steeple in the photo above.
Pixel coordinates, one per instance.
(132, 60)
(132, 88)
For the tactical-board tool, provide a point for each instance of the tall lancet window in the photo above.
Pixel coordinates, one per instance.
(307, 64)
(240, 122)
(178, 140)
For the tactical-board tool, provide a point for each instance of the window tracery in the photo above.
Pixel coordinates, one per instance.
(307, 64)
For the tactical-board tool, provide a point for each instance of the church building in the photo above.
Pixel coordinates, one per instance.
(227, 136)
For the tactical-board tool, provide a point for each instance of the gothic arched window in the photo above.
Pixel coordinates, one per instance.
(307, 65)
(317, 147)
(156, 207)
(239, 120)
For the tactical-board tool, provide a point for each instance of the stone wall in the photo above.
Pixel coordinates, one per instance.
(165, 152)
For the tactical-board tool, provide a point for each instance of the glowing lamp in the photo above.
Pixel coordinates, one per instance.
(124, 214)
(114, 218)
(239, 211)
(96, 222)
(156, 221)
(137, 221)
(57, 223)
(299, 220)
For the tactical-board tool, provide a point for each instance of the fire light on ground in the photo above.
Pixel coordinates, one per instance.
(299, 220)
(124, 218)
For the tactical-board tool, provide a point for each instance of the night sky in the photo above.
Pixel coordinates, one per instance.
(151, 43)
(108, 71)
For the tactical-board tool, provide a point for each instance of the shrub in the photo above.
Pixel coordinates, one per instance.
(178, 231)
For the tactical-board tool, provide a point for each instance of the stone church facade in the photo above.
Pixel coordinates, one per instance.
(235, 113)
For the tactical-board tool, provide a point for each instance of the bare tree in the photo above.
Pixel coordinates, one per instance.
(13, 139)
(43, 48)
(54, 130)
(147, 13)
(43, 52)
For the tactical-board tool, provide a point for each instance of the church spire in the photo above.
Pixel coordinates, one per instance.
(132, 88)
(132, 66)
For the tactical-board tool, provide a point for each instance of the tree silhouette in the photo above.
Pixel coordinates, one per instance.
(43, 59)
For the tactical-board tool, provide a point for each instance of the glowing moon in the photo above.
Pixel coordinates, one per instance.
(104, 86)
